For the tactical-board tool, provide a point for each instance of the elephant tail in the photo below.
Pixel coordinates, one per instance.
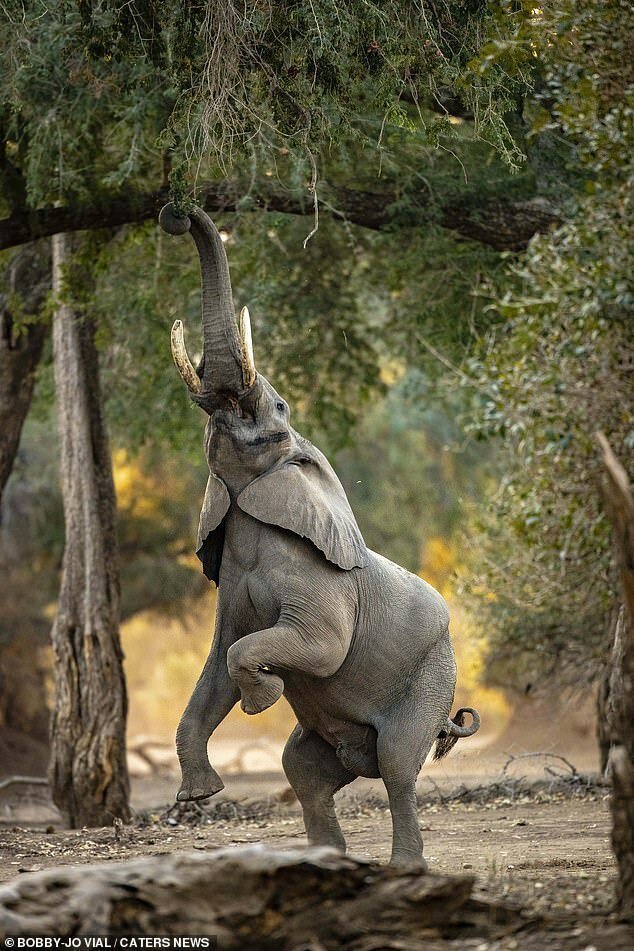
(451, 733)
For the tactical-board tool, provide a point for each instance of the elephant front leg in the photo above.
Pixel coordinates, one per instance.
(213, 698)
(253, 661)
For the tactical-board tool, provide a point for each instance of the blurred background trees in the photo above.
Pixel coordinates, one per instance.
(556, 366)
(426, 207)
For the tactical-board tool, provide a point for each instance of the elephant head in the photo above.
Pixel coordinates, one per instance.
(255, 457)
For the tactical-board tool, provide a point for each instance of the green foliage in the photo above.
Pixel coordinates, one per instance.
(558, 368)
(97, 95)
(158, 511)
(407, 476)
(73, 122)
(316, 95)
(316, 334)
(326, 317)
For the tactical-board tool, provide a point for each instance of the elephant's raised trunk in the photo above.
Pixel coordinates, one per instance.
(227, 364)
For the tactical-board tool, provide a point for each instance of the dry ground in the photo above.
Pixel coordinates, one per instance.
(540, 841)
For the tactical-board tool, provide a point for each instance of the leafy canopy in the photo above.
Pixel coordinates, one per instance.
(97, 94)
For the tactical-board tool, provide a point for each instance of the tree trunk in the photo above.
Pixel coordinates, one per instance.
(28, 281)
(608, 695)
(604, 733)
(87, 772)
(619, 504)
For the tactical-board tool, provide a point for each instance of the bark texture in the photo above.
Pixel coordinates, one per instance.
(619, 503)
(87, 772)
(254, 898)
(27, 282)
(507, 225)
(608, 693)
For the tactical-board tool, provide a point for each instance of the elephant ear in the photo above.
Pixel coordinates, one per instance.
(211, 531)
(305, 496)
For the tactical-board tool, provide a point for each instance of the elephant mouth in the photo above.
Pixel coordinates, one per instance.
(267, 438)
(228, 409)
(239, 427)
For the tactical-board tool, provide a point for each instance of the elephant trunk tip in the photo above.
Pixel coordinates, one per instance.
(173, 223)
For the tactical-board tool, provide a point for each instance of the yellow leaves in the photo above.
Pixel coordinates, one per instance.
(163, 659)
(483, 593)
(470, 645)
(437, 562)
(392, 371)
(135, 489)
(140, 492)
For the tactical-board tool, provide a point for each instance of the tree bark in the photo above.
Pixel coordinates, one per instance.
(608, 695)
(604, 719)
(28, 281)
(87, 771)
(619, 504)
(506, 225)
(255, 898)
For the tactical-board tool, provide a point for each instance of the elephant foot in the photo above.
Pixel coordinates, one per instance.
(199, 784)
(412, 861)
(331, 837)
(259, 697)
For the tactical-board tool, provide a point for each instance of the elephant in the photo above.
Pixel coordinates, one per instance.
(359, 646)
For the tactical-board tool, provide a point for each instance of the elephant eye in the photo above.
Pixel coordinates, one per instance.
(280, 406)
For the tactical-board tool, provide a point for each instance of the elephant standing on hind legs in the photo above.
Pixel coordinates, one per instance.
(358, 646)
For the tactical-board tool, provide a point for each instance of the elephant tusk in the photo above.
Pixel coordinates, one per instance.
(181, 359)
(248, 363)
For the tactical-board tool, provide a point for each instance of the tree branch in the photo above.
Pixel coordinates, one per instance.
(505, 225)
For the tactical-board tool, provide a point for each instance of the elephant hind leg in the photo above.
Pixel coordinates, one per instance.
(401, 749)
(404, 740)
(315, 773)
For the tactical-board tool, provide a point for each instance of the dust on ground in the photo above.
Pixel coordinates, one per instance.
(538, 839)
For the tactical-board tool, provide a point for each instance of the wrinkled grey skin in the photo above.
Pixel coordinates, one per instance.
(358, 646)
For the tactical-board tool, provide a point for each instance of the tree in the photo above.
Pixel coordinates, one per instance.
(555, 366)
(22, 336)
(303, 85)
(107, 108)
(305, 105)
(87, 771)
(619, 503)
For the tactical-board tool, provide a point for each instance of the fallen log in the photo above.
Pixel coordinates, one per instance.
(253, 897)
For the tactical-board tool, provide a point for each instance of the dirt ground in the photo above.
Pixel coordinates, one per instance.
(536, 833)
